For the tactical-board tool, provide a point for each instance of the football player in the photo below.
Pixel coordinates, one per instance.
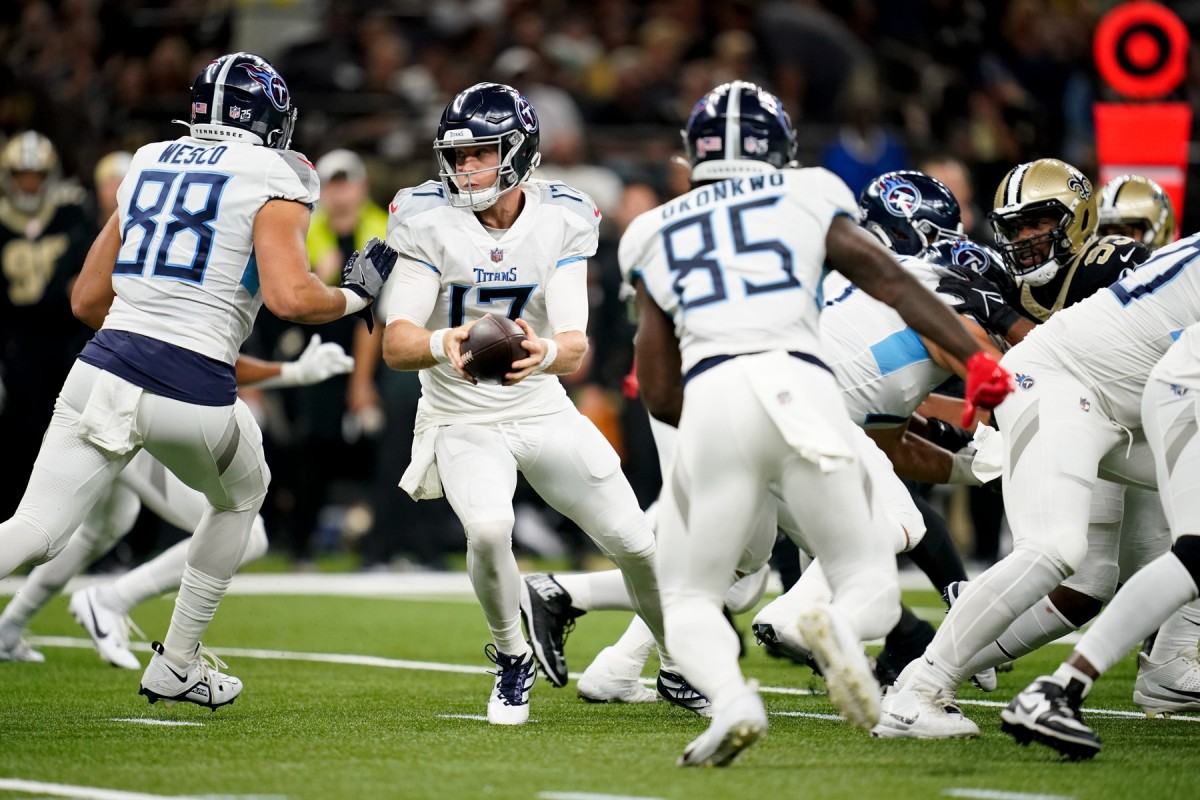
(1137, 207)
(486, 237)
(209, 228)
(728, 279)
(1076, 417)
(46, 226)
(103, 610)
(1048, 709)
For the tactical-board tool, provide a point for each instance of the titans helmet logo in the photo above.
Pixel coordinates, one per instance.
(900, 197)
(277, 90)
(967, 254)
(528, 116)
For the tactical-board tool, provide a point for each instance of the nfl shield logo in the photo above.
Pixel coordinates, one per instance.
(497, 255)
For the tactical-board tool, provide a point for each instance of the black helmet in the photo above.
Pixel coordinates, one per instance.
(974, 256)
(737, 129)
(241, 97)
(909, 211)
(487, 114)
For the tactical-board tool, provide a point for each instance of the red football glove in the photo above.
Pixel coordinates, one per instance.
(629, 386)
(988, 384)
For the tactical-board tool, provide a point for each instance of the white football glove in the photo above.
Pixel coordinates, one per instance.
(319, 362)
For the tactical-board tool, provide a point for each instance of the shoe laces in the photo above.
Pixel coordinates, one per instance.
(510, 675)
(210, 665)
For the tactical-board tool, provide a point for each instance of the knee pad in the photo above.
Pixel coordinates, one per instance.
(490, 537)
(625, 534)
(1095, 580)
(1187, 550)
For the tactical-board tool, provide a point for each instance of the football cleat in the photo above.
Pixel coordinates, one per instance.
(549, 616)
(1048, 712)
(674, 688)
(509, 702)
(921, 713)
(109, 629)
(783, 641)
(19, 650)
(199, 682)
(738, 724)
(1168, 688)
(847, 671)
(985, 680)
(613, 678)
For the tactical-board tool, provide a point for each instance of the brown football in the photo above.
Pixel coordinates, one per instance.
(492, 345)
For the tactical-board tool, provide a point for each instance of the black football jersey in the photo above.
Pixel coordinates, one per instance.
(1101, 262)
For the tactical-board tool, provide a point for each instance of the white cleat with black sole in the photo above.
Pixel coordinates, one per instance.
(1170, 688)
(199, 682)
(1048, 712)
(849, 678)
(921, 713)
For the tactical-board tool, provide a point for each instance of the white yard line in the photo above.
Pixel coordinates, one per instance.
(591, 796)
(995, 794)
(173, 722)
(477, 717)
(81, 792)
(467, 669)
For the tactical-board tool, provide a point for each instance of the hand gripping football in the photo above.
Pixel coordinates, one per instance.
(492, 345)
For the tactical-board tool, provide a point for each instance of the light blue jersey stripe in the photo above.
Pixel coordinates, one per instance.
(901, 349)
(571, 260)
(431, 266)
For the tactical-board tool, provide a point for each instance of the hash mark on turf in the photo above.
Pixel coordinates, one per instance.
(590, 796)
(806, 715)
(145, 721)
(80, 792)
(479, 717)
(994, 794)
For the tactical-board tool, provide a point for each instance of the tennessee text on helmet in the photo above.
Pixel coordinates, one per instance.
(487, 114)
(240, 97)
(1039, 193)
(737, 129)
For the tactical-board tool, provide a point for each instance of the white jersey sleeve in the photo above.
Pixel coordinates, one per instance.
(581, 219)
(1181, 364)
(760, 240)
(186, 273)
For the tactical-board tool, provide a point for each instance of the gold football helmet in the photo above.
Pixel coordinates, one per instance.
(1045, 212)
(28, 167)
(1137, 207)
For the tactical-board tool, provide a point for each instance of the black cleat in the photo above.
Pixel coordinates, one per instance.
(549, 616)
(1048, 712)
(674, 688)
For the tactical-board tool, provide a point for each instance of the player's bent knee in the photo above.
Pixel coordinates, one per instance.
(1187, 550)
(493, 536)
(256, 546)
(1098, 582)
(1078, 607)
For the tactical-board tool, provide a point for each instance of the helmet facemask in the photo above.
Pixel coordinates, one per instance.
(510, 146)
(1035, 259)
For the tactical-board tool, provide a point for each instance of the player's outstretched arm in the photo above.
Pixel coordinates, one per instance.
(92, 294)
(857, 255)
(659, 364)
(290, 290)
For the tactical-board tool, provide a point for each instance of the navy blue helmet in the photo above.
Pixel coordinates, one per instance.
(737, 129)
(241, 97)
(487, 114)
(974, 256)
(909, 211)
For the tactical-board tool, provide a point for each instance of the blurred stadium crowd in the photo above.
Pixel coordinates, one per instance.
(962, 89)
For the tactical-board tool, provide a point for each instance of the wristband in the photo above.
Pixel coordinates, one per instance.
(960, 468)
(354, 301)
(437, 346)
(548, 361)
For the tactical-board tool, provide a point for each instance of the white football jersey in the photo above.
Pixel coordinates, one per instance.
(881, 364)
(1112, 340)
(1181, 365)
(453, 270)
(758, 241)
(186, 273)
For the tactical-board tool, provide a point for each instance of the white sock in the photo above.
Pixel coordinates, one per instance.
(988, 606)
(1141, 605)
(199, 596)
(636, 643)
(704, 647)
(1038, 626)
(496, 580)
(1180, 632)
(1067, 673)
(596, 591)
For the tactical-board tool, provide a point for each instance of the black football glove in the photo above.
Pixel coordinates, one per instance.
(978, 297)
(365, 273)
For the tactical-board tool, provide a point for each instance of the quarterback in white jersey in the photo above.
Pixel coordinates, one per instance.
(727, 279)
(172, 284)
(1048, 709)
(485, 239)
(1074, 418)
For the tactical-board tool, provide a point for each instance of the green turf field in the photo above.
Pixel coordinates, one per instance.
(386, 729)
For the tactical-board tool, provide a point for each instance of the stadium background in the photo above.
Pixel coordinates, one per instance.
(871, 85)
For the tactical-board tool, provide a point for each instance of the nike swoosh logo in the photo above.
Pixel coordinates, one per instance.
(903, 720)
(182, 678)
(1026, 709)
(1181, 692)
(101, 634)
(1128, 255)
